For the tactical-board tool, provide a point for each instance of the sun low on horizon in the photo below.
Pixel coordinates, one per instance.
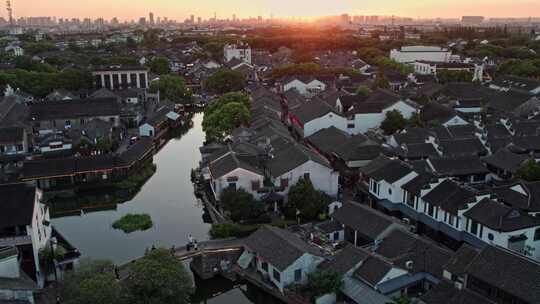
(179, 9)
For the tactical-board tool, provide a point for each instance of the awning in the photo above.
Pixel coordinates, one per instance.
(245, 259)
(173, 115)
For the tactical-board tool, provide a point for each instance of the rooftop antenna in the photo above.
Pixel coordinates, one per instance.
(10, 12)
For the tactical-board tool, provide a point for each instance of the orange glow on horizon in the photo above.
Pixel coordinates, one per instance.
(181, 9)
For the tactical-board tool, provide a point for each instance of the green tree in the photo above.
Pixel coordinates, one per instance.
(387, 63)
(529, 171)
(306, 199)
(363, 91)
(415, 121)
(370, 55)
(158, 277)
(324, 281)
(92, 282)
(160, 65)
(221, 122)
(225, 81)
(34, 48)
(241, 205)
(215, 50)
(381, 81)
(393, 122)
(171, 87)
(228, 98)
(446, 76)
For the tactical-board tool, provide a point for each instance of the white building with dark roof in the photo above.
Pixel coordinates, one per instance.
(280, 256)
(410, 54)
(290, 165)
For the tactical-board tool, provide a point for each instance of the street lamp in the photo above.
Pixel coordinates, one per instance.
(51, 242)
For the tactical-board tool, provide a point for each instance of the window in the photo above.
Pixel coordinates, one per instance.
(284, 182)
(68, 124)
(255, 185)
(389, 191)
(537, 235)
(264, 266)
(306, 176)
(298, 275)
(277, 276)
(491, 237)
(474, 227)
(350, 126)
(431, 210)
(336, 236)
(232, 186)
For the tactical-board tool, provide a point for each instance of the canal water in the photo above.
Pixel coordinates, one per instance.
(169, 199)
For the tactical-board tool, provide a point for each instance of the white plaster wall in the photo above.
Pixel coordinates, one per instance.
(323, 178)
(329, 120)
(245, 178)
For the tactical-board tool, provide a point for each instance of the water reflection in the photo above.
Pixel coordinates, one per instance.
(167, 196)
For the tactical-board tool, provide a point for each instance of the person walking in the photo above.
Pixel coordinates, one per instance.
(195, 245)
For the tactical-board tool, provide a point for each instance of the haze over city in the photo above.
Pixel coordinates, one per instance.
(132, 9)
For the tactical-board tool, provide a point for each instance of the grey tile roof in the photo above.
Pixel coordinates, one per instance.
(447, 294)
(509, 272)
(449, 196)
(392, 171)
(329, 139)
(456, 166)
(74, 109)
(435, 112)
(293, 157)
(500, 217)
(400, 246)
(372, 270)
(518, 83)
(278, 246)
(345, 260)
(312, 110)
(458, 264)
(422, 150)
(463, 147)
(363, 219)
(376, 102)
(16, 205)
(230, 162)
(506, 160)
(11, 135)
(418, 183)
(507, 102)
(529, 202)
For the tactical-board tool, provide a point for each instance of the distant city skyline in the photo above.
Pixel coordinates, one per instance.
(180, 10)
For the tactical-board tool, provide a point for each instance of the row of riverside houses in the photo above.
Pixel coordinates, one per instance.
(264, 158)
(42, 148)
(450, 168)
(78, 124)
(388, 263)
(451, 181)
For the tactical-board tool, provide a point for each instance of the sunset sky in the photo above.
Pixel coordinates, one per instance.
(180, 9)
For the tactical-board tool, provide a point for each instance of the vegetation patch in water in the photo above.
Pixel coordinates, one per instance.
(133, 222)
(137, 180)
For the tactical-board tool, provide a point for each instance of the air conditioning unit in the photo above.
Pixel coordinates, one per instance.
(409, 265)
